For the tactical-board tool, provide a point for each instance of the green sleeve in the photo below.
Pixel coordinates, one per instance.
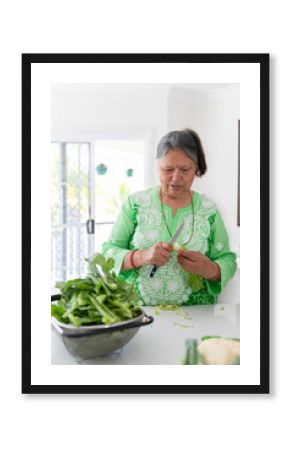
(220, 252)
(117, 246)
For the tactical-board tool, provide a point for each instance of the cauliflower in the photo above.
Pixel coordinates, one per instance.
(219, 351)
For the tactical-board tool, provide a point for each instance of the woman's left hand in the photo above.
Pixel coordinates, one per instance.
(199, 264)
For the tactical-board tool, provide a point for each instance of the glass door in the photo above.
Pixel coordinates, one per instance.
(70, 210)
(90, 182)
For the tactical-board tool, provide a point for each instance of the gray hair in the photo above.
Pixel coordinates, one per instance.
(178, 139)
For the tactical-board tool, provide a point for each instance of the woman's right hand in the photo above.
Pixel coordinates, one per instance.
(158, 254)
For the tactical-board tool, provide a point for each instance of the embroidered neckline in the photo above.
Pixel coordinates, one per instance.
(165, 221)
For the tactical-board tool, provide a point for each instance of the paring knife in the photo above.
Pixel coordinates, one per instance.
(172, 242)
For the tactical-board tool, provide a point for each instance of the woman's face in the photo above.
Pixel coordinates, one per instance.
(176, 173)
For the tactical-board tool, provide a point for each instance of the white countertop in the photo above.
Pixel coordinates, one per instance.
(163, 342)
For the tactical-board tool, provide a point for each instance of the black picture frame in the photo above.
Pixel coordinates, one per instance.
(238, 209)
(249, 58)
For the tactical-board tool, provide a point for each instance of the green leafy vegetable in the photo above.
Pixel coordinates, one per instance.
(100, 298)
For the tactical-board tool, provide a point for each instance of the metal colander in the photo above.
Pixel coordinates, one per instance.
(89, 342)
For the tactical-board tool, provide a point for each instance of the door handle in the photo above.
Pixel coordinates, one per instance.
(90, 224)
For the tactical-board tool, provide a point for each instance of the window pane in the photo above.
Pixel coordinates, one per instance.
(124, 161)
(69, 206)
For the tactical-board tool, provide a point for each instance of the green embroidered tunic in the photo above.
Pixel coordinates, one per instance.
(141, 225)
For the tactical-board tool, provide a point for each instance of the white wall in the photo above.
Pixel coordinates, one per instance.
(106, 108)
(95, 111)
(214, 116)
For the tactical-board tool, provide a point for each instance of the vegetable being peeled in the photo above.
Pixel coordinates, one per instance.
(177, 246)
(196, 282)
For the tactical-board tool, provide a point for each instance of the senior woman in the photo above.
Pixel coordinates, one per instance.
(197, 272)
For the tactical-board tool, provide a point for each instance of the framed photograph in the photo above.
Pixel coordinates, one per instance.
(135, 172)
